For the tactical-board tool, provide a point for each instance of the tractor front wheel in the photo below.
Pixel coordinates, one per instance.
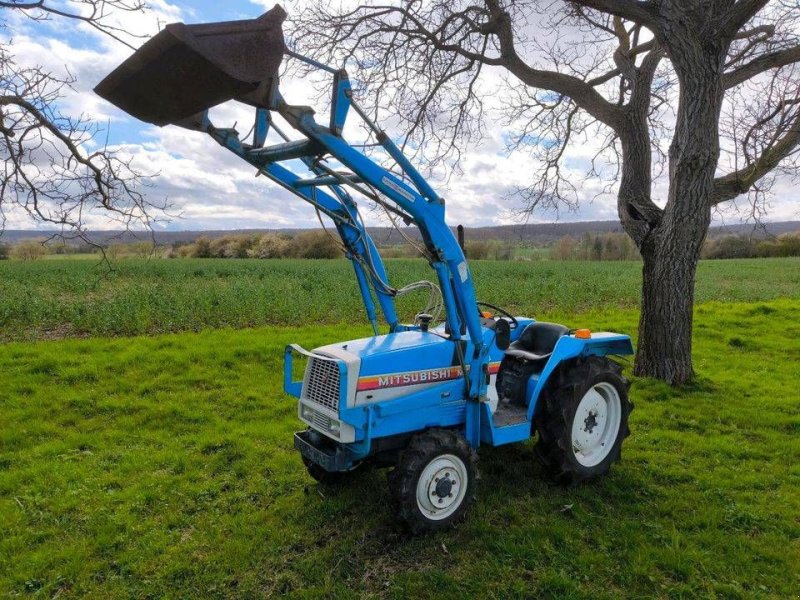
(582, 420)
(433, 483)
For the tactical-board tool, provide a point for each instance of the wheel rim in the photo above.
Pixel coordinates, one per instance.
(596, 424)
(442, 486)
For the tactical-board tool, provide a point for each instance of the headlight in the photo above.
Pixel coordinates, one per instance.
(322, 422)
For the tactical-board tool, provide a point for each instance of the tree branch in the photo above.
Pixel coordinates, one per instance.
(633, 10)
(39, 10)
(763, 63)
(739, 14)
(76, 154)
(581, 92)
(740, 182)
(633, 52)
(767, 30)
(49, 174)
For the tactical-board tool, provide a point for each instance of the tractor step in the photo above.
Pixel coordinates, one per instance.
(508, 413)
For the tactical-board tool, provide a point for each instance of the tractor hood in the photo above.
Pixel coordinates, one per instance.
(186, 69)
(396, 364)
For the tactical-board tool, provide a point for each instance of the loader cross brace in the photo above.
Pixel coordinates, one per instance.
(194, 68)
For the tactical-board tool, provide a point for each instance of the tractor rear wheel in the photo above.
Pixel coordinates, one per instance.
(434, 482)
(582, 420)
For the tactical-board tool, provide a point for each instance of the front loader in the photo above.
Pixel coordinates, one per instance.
(418, 398)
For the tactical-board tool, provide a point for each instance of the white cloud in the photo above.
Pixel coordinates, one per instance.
(211, 188)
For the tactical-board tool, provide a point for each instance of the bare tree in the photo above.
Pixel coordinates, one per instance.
(56, 167)
(716, 80)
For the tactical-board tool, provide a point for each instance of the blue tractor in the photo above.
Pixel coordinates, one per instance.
(419, 398)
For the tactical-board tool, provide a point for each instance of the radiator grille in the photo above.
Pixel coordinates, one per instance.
(321, 422)
(322, 384)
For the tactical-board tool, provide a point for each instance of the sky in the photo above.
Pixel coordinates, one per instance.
(207, 187)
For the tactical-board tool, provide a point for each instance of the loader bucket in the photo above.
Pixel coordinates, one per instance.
(186, 69)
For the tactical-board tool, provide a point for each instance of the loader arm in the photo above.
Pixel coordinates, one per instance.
(177, 76)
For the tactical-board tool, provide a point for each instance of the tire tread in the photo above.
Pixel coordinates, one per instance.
(402, 479)
(553, 422)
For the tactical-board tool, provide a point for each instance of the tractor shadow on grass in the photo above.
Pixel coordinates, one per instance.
(352, 529)
(513, 488)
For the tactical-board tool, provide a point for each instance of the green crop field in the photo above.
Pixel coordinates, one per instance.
(68, 298)
(161, 465)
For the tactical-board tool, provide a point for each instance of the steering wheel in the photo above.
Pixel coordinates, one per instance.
(502, 311)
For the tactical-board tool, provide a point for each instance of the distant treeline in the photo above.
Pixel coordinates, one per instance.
(618, 246)
(313, 244)
(524, 235)
(308, 244)
(742, 246)
(595, 246)
(27, 250)
(474, 249)
(317, 244)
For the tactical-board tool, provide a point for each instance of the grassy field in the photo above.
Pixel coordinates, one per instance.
(162, 466)
(66, 298)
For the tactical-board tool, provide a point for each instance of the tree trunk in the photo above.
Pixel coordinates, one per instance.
(664, 350)
(671, 249)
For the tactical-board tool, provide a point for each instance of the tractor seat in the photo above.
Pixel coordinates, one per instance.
(537, 341)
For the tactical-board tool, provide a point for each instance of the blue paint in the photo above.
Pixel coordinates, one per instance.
(463, 349)
(290, 386)
(570, 347)
(460, 402)
(339, 102)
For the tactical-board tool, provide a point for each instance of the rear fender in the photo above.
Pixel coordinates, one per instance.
(569, 347)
